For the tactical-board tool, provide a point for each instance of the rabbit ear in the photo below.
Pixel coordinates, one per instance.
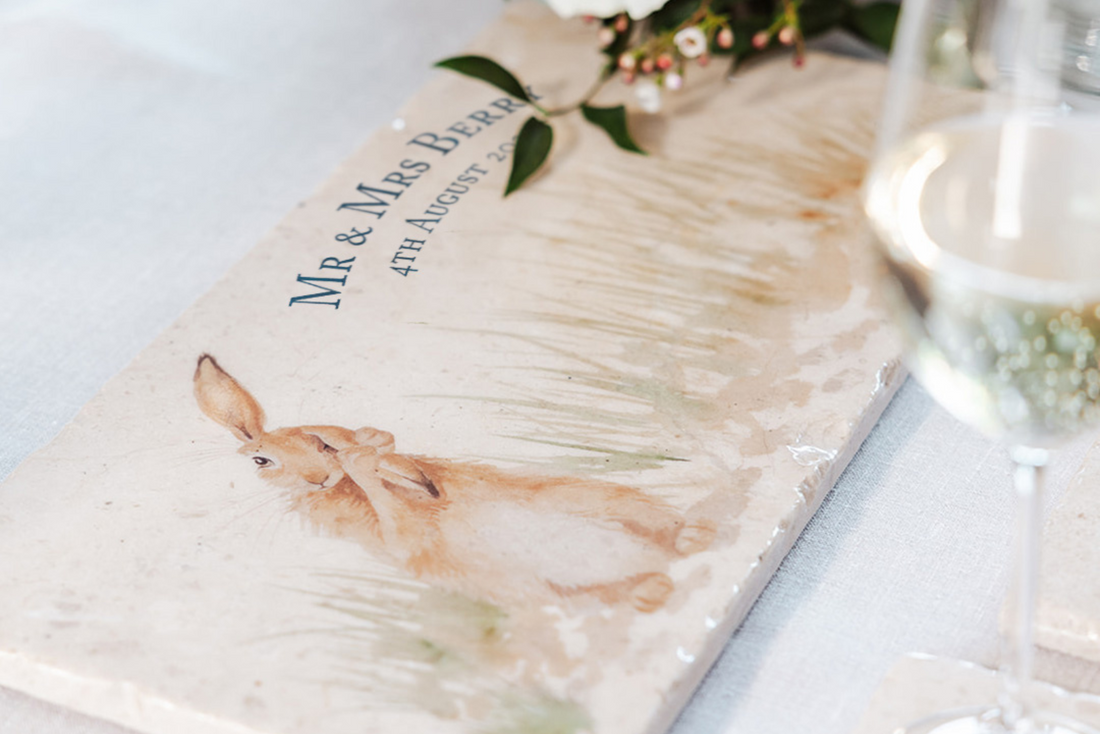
(332, 437)
(223, 399)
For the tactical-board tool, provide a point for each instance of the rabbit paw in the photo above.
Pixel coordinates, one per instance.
(381, 441)
(651, 592)
(695, 536)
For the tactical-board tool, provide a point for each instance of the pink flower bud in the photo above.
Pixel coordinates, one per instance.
(725, 38)
(760, 39)
(703, 60)
(605, 37)
(647, 65)
(627, 62)
(786, 35)
(628, 77)
(664, 62)
(674, 81)
(621, 24)
(799, 62)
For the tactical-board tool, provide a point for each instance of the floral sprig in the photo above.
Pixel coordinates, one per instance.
(652, 45)
(666, 53)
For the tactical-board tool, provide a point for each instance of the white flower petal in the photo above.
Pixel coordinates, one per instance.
(691, 41)
(637, 9)
(649, 97)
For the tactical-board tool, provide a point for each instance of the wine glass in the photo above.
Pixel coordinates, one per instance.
(984, 197)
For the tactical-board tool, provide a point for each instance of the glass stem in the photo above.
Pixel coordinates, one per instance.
(1019, 635)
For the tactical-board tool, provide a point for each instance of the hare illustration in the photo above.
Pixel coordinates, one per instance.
(506, 536)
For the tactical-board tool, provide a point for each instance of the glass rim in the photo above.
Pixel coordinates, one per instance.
(954, 267)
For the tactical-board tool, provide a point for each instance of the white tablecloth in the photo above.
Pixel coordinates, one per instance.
(144, 147)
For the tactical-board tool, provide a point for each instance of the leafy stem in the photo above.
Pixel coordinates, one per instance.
(536, 137)
(679, 32)
(604, 77)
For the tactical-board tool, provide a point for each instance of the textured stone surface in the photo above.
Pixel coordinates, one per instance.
(1068, 619)
(920, 686)
(697, 326)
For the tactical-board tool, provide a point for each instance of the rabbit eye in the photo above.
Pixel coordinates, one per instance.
(261, 461)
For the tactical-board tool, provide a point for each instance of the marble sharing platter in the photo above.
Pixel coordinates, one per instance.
(1068, 618)
(922, 685)
(431, 460)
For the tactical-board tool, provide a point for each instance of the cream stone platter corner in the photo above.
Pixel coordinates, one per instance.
(1068, 617)
(921, 685)
(432, 460)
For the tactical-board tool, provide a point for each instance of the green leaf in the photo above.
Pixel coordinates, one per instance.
(874, 22)
(820, 17)
(673, 14)
(486, 70)
(613, 121)
(532, 148)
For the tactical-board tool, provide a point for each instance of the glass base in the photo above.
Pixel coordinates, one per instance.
(983, 720)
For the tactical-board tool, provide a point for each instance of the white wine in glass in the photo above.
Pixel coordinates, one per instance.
(984, 198)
